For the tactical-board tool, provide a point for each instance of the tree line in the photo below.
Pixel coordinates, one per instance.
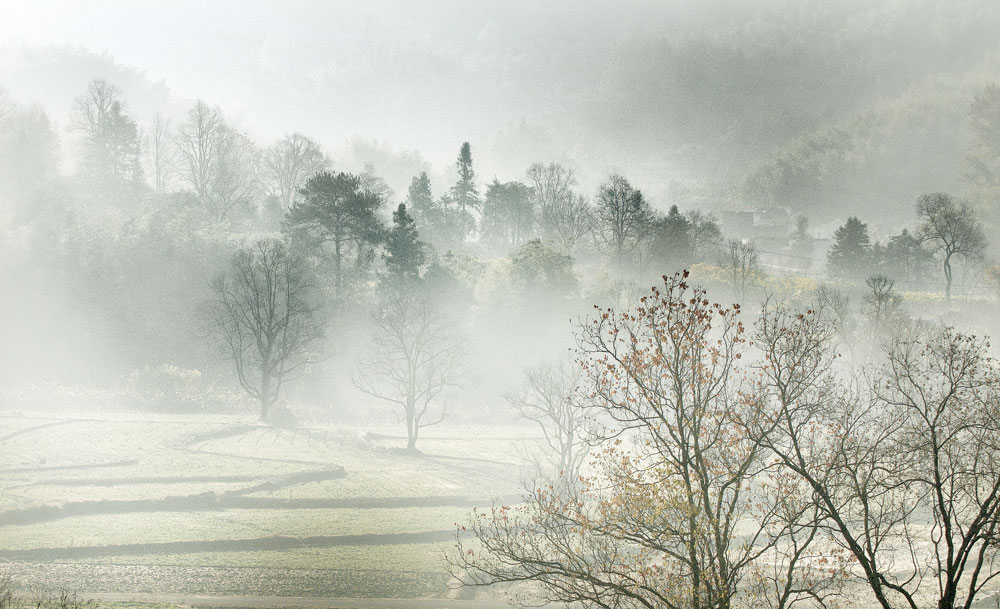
(315, 247)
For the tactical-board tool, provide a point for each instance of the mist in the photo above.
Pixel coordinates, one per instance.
(449, 302)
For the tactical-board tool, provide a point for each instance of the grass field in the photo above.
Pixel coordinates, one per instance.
(221, 505)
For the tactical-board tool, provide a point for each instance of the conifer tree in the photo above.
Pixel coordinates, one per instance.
(464, 192)
(404, 251)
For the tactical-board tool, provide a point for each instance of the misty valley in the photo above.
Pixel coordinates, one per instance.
(697, 314)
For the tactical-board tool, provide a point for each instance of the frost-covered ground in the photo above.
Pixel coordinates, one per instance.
(221, 505)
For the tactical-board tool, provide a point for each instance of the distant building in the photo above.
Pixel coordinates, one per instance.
(771, 229)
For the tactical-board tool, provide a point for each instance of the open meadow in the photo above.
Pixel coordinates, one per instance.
(222, 506)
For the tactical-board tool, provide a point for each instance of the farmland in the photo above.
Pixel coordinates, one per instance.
(219, 505)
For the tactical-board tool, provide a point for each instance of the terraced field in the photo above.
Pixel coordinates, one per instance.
(221, 506)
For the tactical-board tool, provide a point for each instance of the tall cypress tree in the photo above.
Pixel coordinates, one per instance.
(464, 191)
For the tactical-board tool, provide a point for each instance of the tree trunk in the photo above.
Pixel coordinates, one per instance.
(411, 428)
(947, 277)
(337, 259)
(265, 394)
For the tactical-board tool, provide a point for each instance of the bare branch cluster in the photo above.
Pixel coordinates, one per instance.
(772, 482)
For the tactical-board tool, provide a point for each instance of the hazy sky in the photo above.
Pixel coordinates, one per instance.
(659, 90)
(422, 75)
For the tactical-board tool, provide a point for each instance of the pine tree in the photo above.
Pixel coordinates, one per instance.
(419, 196)
(851, 250)
(404, 251)
(336, 216)
(672, 243)
(464, 191)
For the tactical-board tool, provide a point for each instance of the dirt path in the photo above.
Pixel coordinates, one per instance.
(194, 600)
(256, 544)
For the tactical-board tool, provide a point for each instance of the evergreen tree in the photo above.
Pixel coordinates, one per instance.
(851, 251)
(903, 257)
(441, 223)
(419, 196)
(508, 213)
(404, 251)
(335, 213)
(672, 243)
(464, 192)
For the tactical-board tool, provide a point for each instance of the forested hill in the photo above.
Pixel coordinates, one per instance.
(779, 102)
(878, 161)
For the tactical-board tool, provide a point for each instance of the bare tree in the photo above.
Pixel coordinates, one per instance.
(262, 317)
(573, 220)
(906, 470)
(111, 139)
(834, 307)
(551, 186)
(288, 163)
(219, 164)
(705, 235)
(623, 217)
(741, 263)
(657, 525)
(882, 303)
(161, 152)
(91, 110)
(237, 177)
(415, 358)
(549, 398)
(374, 185)
(950, 228)
(199, 142)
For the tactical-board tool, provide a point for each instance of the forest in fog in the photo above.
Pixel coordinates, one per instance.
(691, 302)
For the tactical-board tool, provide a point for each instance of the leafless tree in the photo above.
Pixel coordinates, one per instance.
(237, 177)
(374, 185)
(573, 220)
(549, 398)
(288, 163)
(8, 599)
(91, 110)
(834, 307)
(950, 228)
(551, 186)
(263, 319)
(161, 152)
(741, 263)
(657, 525)
(111, 139)
(882, 304)
(906, 469)
(705, 235)
(623, 217)
(414, 359)
(199, 142)
(219, 164)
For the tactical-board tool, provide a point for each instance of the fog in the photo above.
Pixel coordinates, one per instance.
(289, 288)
